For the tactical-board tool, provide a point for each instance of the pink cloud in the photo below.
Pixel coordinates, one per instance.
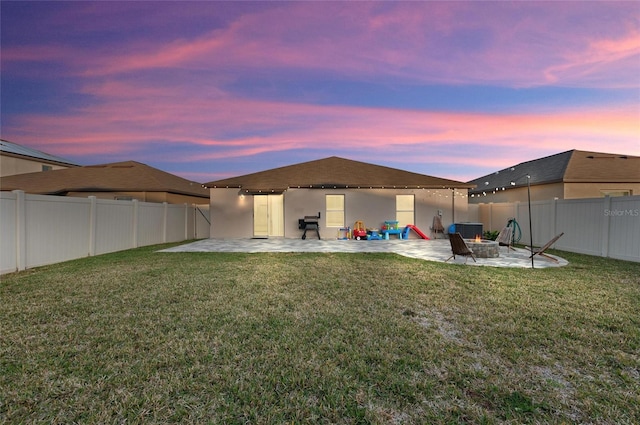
(431, 42)
(588, 64)
(144, 90)
(226, 128)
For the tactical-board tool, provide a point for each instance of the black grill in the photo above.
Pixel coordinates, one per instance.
(309, 222)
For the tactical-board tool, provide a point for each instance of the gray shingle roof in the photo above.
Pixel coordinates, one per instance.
(334, 172)
(569, 166)
(19, 150)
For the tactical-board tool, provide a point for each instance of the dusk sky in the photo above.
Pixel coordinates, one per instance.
(208, 90)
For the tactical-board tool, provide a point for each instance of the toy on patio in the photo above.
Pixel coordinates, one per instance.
(359, 231)
(344, 233)
(391, 228)
(373, 235)
(409, 228)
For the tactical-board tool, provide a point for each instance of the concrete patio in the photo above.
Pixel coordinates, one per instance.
(430, 250)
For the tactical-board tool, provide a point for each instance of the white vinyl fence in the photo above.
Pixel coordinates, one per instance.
(607, 227)
(36, 230)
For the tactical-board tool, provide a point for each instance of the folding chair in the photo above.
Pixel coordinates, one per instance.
(459, 247)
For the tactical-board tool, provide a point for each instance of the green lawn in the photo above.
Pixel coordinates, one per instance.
(147, 337)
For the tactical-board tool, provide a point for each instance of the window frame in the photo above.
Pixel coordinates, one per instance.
(403, 211)
(332, 213)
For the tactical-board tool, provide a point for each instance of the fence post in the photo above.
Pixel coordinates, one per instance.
(555, 216)
(516, 212)
(136, 218)
(164, 224)
(605, 223)
(93, 222)
(186, 221)
(195, 221)
(21, 230)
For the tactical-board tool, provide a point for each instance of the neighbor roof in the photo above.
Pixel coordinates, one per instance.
(14, 149)
(129, 176)
(572, 166)
(333, 172)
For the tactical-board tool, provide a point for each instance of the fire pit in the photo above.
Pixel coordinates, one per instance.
(483, 248)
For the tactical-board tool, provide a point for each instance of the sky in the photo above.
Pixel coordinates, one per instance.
(208, 90)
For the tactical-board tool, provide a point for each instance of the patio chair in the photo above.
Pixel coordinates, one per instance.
(540, 251)
(459, 247)
(505, 238)
(437, 227)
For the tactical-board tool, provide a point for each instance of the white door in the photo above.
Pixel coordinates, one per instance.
(260, 216)
(276, 215)
(268, 216)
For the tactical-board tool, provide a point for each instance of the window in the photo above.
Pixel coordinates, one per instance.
(405, 210)
(335, 210)
(47, 168)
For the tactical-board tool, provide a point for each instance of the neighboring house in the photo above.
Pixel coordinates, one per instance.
(270, 203)
(121, 180)
(567, 175)
(17, 159)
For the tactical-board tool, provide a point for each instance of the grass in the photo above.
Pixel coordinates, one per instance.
(147, 337)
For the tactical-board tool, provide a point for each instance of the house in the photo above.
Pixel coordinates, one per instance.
(567, 175)
(271, 203)
(120, 180)
(18, 159)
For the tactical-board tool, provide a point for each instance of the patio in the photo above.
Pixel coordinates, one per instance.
(431, 250)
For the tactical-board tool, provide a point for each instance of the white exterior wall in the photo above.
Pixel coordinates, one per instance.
(37, 230)
(608, 227)
(232, 213)
(11, 165)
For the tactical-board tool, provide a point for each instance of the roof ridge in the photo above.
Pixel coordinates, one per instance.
(333, 171)
(117, 176)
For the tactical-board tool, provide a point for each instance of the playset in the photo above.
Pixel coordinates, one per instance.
(390, 227)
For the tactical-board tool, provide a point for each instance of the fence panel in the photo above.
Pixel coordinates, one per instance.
(522, 217)
(202, 226)
(36, 230)
(582, 223)
(150, 223)
(607, 227)
(624, 229)
(56, 229)
(543, 221)
(176, 223)
(8, 241)
(498, 215)
(114, 226)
